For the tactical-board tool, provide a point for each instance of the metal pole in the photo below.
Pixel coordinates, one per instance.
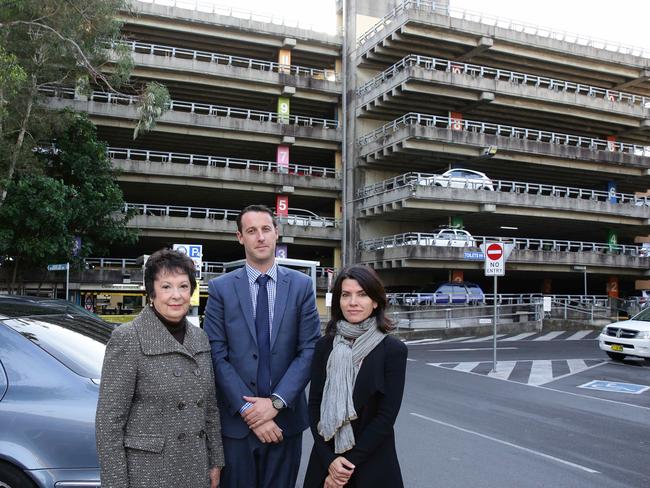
(585, 280)
(494, 328)
(67, 279)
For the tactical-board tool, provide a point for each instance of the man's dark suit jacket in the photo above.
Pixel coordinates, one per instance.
(377, 398)
(231, 329)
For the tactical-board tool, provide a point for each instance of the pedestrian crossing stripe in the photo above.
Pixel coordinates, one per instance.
(555, 335)
(531, 372)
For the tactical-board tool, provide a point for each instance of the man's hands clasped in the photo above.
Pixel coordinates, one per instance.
(259, 418)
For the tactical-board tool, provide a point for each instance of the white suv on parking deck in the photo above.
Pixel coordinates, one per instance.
(627, 338)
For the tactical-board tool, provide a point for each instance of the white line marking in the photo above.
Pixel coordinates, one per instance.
(576, 365)
(579, 335)
(456, 339)
(540, 372)
(472, 349)
(409, 359)
(422, 341)
(519, 337)
(550, 335)
(467, 367)
(486, 338)
(509, 444)
(504, 368)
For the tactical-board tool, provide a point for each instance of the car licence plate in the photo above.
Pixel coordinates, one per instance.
(617, 347)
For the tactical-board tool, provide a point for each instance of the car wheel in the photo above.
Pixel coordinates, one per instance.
(12, 477)
(616, 356)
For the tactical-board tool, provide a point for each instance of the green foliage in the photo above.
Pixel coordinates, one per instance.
(153, 103)
(77, 196)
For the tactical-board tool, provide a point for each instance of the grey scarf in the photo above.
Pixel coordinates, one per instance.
(351, 345)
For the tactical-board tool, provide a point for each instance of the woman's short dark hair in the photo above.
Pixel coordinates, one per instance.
(374, 288)
(167, 260)
(256, 208)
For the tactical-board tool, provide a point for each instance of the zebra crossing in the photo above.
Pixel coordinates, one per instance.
(531, 372)
(555, 335)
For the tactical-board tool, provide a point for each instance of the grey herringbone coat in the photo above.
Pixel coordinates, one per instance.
(157, 418)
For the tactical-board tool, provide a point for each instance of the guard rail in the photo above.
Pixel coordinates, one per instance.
(475, 70)
(413, 179)
(199, 108)
(441, 122)
(118, 153)
(227, 60)
(503, 23)
(522, 244)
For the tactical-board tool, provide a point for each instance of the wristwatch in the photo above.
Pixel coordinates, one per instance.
(277, 402)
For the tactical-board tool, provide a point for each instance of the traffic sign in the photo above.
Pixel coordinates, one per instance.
(195, 252)
(57, 267)
(494, 259)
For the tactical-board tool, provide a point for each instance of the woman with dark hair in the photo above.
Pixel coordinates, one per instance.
(356, 389)
(157, 419)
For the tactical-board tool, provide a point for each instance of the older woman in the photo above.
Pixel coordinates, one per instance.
(356, 389)
(157, 418)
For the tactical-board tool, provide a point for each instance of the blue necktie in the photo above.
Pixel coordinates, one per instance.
(263, 330)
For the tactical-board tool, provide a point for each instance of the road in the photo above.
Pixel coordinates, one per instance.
(530, 424)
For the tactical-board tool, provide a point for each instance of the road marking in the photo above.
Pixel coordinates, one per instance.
(578, 335)
(422, 341)
(409, 359)
(540, 372)
(472, 349)
(504, 368)
(549, 336)
(509, 444)
(519, 337)
(466, 367)
(486, 338)
(455, 339)
(576, 365)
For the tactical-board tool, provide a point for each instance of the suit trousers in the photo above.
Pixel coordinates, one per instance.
(253, 464)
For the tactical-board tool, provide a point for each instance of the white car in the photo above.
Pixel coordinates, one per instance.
(627, 338)
(459, 178)
(452, 238)
(305, 218)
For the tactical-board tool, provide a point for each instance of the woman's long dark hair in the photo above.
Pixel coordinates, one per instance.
(370, 283)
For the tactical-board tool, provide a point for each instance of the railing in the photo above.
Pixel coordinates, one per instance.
(228, 60)
(514, 77)
(439, 122)
(118, 153)
(521, 244)
(213, 267)
(222, 214)
(413, 179)
(504, 23)
(200, 108)
(229, 11)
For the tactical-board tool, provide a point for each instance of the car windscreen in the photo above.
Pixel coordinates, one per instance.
(644, 315)
(77, 342)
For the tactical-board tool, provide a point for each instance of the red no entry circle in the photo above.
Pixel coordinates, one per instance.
(494, 251)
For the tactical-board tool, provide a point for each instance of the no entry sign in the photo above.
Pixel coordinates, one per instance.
(494, 259)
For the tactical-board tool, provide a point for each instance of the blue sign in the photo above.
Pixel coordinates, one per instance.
(474, 256)
(57, 267)
(615, 387)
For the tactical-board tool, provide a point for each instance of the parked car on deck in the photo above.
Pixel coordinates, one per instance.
(450, 293)
(452, 238)
(305, 218)
(459, 178)
(627, 338)
(50, 367)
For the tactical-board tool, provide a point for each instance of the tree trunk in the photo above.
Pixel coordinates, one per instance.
(13, 277)
(13, 160)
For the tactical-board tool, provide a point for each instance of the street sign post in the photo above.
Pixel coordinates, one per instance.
(495, 265)
(62, 267)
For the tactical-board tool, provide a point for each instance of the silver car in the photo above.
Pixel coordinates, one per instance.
(50, 365)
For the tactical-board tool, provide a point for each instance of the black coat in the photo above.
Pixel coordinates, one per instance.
(377, 397)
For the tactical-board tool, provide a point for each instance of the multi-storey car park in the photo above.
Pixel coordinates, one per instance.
(368, 118)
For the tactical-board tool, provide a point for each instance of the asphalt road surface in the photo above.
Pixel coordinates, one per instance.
(533, 423)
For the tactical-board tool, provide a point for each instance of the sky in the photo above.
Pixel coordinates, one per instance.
(622, 21)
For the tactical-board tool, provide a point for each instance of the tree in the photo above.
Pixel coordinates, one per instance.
(46, 43)
(76, 197)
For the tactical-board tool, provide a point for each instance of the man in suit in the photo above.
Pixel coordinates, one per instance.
(263, 324)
